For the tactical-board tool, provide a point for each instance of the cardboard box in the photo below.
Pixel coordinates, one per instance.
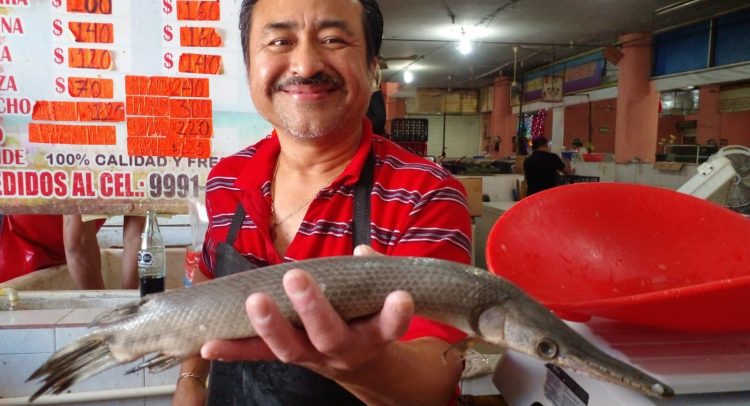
(669, 166)
(473, 186)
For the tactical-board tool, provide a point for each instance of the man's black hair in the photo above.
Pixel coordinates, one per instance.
(372, 21)
(537, 143)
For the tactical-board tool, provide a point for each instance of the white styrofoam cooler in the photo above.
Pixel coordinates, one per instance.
(702, 368)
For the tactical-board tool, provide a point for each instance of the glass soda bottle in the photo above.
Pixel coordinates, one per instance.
(152, 268)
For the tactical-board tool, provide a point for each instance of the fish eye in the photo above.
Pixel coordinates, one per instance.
(546, 349)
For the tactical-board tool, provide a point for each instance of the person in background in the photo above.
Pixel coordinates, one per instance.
(82, 251)
(312, 65)
(541, 167)
(132, 228)
(32, 242)
(20, 253)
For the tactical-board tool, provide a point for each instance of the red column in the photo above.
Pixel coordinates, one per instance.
(503, 123)
(709, 119)
(395, 107)
(637, 102)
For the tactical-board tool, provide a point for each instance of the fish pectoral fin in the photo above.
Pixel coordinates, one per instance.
(159, 363)
(461, 347)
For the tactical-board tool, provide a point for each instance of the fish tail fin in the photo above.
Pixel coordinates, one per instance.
(76, 362)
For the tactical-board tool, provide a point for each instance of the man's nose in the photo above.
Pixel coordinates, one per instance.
(306, 59)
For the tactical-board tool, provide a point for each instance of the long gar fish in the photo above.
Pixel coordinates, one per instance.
(175, 324)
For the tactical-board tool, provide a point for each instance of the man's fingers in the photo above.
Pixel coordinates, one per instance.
(251, 348)
(285, 341)
(261, 310)
(394, 319)
(325, 328)
(364, 250)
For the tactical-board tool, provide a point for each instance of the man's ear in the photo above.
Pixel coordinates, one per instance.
(376, 75)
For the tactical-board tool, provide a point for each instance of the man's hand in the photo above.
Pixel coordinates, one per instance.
(364, 356)
(327, 345)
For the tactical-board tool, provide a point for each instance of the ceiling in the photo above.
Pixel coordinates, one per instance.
(542, 31)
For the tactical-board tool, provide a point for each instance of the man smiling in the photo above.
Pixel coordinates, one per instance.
(320, 185)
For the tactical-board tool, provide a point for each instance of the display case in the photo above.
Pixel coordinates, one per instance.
(571, 179)
(689, 153)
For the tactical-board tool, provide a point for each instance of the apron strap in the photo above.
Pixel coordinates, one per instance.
(274, 383)
(228, 260)
(362, 192)
(237, 220)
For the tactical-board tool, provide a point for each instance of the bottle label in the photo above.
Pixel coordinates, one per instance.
(192, 261)
(145, 259)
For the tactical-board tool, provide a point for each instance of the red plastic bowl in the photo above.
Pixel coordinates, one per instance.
(593, 157)
(633, 253)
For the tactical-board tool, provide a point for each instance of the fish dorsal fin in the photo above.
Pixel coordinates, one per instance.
(119, 313)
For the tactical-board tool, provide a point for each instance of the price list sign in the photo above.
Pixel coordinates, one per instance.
(116, 106)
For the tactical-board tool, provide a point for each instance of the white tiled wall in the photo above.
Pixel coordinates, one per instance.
(640, 173)
(29, 337)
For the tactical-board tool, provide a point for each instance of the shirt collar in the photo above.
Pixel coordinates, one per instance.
(260, 171)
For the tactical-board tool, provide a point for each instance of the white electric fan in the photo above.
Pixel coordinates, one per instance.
(724, 178)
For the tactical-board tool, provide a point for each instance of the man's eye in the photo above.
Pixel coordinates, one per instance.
(333, 40)
(280, 42)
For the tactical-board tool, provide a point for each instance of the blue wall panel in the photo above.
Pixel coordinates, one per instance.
(682, 50)
(732, 38)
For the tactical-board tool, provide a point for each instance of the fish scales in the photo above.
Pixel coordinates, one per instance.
(179, 322)
(175, 324)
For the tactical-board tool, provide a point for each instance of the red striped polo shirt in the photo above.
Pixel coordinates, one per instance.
(417, 209)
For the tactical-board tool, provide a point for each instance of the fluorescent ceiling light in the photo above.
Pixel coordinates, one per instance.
(408, 76)
(465, 47)
(675, 6)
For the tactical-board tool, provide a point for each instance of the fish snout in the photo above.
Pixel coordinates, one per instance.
(535, 331)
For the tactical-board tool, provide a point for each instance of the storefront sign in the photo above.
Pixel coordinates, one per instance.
(735, 99)
(552, 89)
(584, 76)
(578, 74)
(113, 106)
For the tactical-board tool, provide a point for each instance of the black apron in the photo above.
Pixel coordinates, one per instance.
(276, 383)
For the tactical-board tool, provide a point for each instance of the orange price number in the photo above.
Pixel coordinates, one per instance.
(89, 58)
(102, 33)
(90, 6)
(199, 37)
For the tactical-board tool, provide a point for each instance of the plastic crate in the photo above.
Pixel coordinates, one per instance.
(409, 129)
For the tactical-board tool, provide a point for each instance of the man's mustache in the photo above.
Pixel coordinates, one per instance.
(318, 79)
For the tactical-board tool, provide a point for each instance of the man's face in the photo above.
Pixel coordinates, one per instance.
(307, 68)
